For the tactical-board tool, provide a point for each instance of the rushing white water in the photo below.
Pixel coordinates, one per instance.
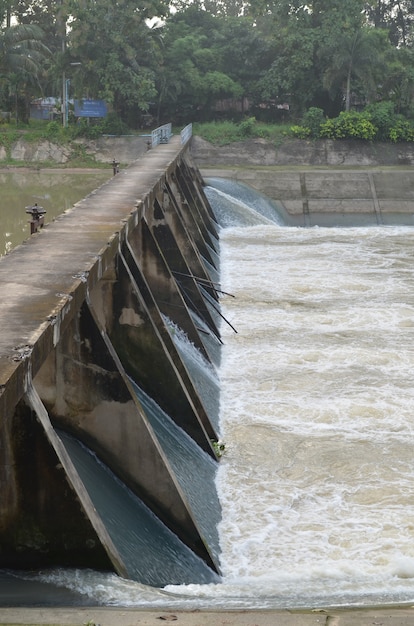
(317, 403)
(317, 486)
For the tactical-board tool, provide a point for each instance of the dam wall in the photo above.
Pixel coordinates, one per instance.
(90, 309)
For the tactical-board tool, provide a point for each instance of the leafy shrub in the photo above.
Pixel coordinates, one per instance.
(246, 127)
(401, 131)
(383, 116)
(110, 125)
(7, 139)
(53, 130)
(263, 131)
(300, 132)
(113, 125)
(349, 125)
(313, 119)
(83, 129)
(328, 129)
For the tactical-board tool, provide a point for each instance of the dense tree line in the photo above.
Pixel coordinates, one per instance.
(176, 60)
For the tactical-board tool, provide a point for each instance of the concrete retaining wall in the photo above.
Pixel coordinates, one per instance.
(320, 182)
(321, 196)
(297, 152)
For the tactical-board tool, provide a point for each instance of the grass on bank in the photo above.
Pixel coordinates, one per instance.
(222, 133)
(218, 133)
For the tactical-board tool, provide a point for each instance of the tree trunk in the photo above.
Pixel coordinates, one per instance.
(348, 90)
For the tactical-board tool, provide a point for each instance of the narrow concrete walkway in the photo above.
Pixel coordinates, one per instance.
(40, 277)
(131, 617)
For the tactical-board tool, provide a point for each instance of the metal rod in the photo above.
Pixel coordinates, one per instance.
(222, 316)
(207, 282)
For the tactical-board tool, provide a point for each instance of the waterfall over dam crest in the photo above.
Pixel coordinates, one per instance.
(84, 321)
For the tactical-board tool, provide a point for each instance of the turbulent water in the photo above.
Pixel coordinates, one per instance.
(317, 486)
(317, 396)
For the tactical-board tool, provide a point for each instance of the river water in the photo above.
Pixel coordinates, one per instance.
(55, 191)
(317, 395)
(317, 410)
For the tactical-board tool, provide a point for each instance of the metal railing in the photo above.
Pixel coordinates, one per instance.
(186, 133)
(161, 134)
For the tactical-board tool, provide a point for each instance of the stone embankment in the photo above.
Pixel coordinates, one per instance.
(125, 149)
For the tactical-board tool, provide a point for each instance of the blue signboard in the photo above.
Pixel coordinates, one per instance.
(90, 108)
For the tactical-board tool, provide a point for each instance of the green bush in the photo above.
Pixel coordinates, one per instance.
(300, 132)
(246, 127)
(328, 129)
(313, 119)
(84, 129)
(7, 139)
(401, 131)
(263, 131)
(53, 130)
(93, 129)
(382, 115)
(349, 125)
(113, 125)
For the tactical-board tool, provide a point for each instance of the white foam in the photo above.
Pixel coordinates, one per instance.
(317, 485)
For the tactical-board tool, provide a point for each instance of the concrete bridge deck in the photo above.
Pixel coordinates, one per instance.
(42, 275)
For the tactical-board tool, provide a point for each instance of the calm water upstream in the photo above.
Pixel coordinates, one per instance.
(55, 191)
(317, 401)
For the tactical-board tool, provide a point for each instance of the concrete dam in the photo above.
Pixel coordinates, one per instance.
(107, 436)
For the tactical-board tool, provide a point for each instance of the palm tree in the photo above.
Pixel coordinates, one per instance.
(22, 49)
(357, 55)
(22, 54)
